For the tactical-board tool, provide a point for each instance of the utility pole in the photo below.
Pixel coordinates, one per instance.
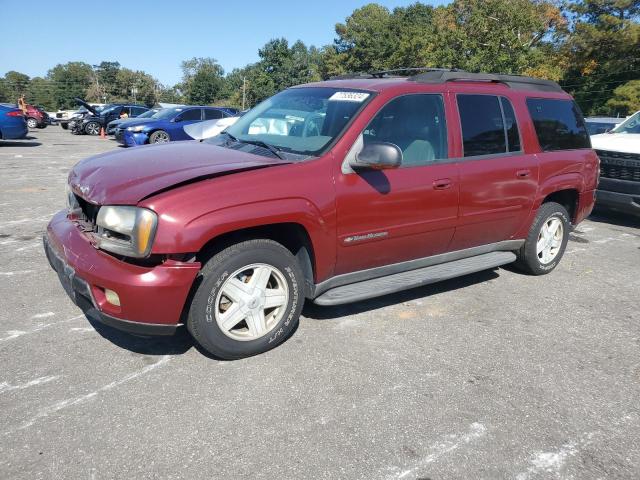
(134, 90)
(244, 91)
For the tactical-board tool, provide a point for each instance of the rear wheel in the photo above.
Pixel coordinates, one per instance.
(159, 136)
(32, 122)
(249, 299)
(547, 240)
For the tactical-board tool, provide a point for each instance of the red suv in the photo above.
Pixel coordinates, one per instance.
(332, 192)
(36, 117)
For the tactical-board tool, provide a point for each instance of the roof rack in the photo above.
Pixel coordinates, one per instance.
(517, 82)
(441, 75)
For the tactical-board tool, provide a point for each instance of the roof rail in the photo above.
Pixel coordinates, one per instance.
(517, 82)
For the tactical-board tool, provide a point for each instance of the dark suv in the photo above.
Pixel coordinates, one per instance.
(332, 192)
(92, 124)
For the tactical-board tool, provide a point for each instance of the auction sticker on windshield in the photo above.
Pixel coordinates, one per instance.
(349, 96)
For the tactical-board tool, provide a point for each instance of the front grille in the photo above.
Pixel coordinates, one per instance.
(87, 214)
(619, 166)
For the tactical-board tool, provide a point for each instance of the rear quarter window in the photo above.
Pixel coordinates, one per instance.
(558, 123)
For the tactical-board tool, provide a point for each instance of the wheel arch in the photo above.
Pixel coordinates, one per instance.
(292, 235)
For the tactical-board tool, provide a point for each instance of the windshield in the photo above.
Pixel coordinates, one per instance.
(300, 120)
(168, 112)
(148, 114)
(630, 125)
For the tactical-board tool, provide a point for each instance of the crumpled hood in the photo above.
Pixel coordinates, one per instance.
(126, 177)
(617, 142)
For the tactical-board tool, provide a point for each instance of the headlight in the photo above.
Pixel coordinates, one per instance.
(127, 231)
(72, 201)
(137, 128)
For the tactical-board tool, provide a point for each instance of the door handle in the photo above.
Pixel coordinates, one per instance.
(442, 184)
(523, 173)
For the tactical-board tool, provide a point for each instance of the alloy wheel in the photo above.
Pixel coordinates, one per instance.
(251, 302)
(550, 240)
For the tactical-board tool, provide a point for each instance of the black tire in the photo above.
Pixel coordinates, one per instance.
(528, 258)
(201, 319)
(64, 126)
(92, 128)
(32, 122)
(159, 136)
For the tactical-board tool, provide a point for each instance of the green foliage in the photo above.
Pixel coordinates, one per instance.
(68, 81)
(626, 99)
(591, 46)
(602, 51)
(202, 80)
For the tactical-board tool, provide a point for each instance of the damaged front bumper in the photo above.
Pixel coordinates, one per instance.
(151, 299)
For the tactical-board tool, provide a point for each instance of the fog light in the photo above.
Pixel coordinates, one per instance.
(112, 297)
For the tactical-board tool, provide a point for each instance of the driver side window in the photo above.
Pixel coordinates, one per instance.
(416, 124)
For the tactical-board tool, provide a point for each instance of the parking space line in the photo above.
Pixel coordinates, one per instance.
(451, 443)
(7, 387)
(69, 402)
(11, 334)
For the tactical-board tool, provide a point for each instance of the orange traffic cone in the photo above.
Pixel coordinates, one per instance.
(102, 135)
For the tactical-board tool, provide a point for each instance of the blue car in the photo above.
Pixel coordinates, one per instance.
(168, 124)
(12, 123)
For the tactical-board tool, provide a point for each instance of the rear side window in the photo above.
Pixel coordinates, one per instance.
(558, 123)
(193, 114)
(212, 114)
(483, 130)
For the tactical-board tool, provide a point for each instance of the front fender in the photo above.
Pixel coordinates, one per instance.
(194, 235)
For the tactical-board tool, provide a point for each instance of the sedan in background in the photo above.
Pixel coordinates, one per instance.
(12, 123)
(168, 125)
(112, 125)
(211, 128)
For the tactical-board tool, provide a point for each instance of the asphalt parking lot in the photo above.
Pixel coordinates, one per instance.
(495, 375)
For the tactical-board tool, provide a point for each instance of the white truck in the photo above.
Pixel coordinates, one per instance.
(619, 152)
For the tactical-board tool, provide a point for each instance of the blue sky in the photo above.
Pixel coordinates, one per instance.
(155, 36)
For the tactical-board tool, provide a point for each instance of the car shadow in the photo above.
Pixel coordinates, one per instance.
(19, 143)
(176, 344)
(181, 342)
(318, 312)
(614, 218)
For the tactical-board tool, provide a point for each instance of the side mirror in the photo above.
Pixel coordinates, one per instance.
(377, 156)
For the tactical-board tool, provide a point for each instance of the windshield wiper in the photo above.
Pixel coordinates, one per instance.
(259, 143)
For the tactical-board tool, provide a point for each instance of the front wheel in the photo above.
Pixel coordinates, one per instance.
(249, 299)
(547, 240)
(159, 136)
(32, 122)
(92, 128)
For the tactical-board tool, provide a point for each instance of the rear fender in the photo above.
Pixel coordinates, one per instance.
(566, 181)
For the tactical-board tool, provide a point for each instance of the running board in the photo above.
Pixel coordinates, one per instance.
(413, 278)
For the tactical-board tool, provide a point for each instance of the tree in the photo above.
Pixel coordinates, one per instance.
(202, 80)
(40, 92)
(503, 36)
(626, 99)
(68, 81)
(601, 51)
(14, 85)
(366, 40)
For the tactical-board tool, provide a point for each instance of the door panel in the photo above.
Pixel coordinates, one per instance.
(391, 216)
(498, 181)
(496, 195)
